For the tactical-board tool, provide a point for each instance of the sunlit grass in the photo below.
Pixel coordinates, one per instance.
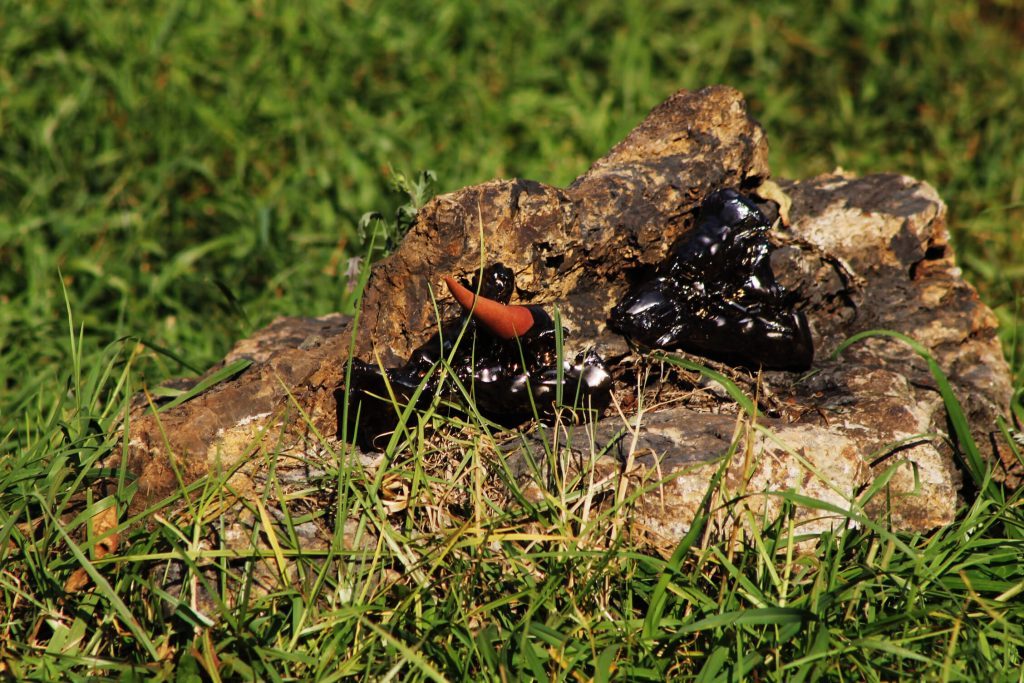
(173, 177)
(440, 564)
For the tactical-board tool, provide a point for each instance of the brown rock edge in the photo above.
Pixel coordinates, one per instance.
(865, 253)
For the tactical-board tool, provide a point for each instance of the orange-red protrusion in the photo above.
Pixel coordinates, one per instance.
(506, 322)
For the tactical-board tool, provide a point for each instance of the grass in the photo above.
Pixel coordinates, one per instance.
(173, 177)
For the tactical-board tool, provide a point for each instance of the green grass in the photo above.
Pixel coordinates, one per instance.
(173, 177)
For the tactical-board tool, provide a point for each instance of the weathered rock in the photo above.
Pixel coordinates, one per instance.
(626, 210)
(863, 252)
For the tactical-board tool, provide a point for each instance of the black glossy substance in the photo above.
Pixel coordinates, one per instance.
(716, 294)
(491, 369)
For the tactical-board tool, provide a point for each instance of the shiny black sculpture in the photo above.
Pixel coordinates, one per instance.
(504, 356)
(716, 295)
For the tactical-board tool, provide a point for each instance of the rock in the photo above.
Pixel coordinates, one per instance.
(864, 253)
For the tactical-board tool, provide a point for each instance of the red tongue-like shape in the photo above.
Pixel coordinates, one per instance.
(506, 322)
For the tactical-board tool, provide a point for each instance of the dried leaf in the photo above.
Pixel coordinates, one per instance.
(394, 493)
(100, 526)
(78, 580)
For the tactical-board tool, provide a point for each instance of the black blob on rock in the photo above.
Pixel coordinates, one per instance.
(716, 295)
(509, 380)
